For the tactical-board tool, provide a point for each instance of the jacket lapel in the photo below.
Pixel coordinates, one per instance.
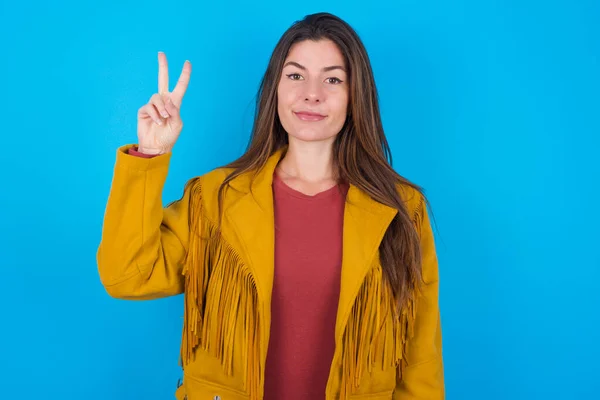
(365, 222)
(253, 223)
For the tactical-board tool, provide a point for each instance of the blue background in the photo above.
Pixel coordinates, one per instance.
(492, 106)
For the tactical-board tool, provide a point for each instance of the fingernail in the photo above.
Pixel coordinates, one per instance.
(165, 114)
(159, 122)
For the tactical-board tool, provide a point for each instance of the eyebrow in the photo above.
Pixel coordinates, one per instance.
(326, 69)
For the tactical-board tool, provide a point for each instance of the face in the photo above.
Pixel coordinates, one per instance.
(312, 95)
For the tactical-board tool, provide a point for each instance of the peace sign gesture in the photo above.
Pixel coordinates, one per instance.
(159, 121)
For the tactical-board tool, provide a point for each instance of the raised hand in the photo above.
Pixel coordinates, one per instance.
(159, 121)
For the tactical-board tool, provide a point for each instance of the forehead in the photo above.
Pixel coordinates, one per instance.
(311, 54)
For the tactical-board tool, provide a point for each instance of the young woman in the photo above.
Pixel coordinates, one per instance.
(308, 265)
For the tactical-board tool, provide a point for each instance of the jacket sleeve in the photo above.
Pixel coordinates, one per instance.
(424, 373)
(143, 243)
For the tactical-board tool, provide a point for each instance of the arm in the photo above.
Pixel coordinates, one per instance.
(424, 373)
(143, 244)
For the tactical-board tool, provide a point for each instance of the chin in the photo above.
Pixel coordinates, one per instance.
(311, 135)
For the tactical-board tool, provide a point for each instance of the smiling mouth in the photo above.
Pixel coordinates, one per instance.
(306, 116)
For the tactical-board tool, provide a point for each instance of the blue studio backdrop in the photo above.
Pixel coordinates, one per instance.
(491, 106)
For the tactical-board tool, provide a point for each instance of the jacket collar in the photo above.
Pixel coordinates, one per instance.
(365, 222)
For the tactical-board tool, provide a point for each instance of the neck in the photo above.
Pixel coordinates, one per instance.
(308, 161)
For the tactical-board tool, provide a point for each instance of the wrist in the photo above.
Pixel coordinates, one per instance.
(151, 151)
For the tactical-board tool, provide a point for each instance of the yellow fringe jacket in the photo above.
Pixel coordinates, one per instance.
(149, 251)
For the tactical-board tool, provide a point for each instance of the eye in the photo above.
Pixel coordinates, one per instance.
(294, 76)
(334, 80)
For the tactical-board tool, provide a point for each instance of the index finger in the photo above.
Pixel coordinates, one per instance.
(163, 74)
(182, 83)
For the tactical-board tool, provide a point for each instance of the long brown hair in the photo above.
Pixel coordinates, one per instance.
(361, 152)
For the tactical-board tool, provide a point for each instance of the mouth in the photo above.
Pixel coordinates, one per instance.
(309, 116)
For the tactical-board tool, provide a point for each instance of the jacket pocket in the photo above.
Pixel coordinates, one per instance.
(194, 388)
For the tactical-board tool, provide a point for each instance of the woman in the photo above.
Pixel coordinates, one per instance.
(308, 265)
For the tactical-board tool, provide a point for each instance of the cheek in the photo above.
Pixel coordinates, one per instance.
(339, 105)
(285, 96)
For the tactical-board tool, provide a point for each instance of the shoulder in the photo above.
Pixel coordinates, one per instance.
(214, 178)
(207, 187)
(208, 182)
(413, 199)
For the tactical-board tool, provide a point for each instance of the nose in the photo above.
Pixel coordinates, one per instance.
(313, 92)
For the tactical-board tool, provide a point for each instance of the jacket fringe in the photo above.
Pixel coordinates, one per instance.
(212, 314)
(377, 331)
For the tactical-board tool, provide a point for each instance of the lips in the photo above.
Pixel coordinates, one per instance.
(309, 116)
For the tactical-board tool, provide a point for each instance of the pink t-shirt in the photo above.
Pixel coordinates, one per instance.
(134, 152)
(308, 257)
